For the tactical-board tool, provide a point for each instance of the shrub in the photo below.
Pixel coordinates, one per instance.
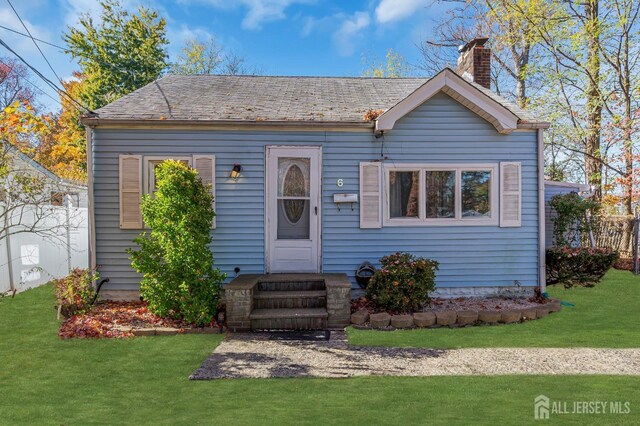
(75, 292)
(570, 223)
(403, 282)
(578, 266)
(178, 277)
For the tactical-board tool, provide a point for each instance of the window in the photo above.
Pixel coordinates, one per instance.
(440, 195)
(461, 194)
(150, 164)
(403, 194)
(475, 194)
(59, 198)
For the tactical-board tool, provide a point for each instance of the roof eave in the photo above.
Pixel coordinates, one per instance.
(94, 122)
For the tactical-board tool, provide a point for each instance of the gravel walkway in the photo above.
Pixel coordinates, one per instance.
(263, 355)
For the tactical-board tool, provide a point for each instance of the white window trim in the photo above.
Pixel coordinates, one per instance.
(421, 220)
(148, 180)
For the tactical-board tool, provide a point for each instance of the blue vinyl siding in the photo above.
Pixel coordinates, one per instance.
(440, 131)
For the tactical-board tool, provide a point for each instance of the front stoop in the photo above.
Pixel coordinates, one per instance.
(288, 302)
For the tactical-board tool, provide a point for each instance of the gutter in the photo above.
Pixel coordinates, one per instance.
(92, 232)
(227, 124)
(533, 125)
(542, 263)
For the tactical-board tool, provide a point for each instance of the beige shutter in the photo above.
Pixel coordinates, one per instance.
(206, 167)
(370, 195)
(510, 195)
(130, 172)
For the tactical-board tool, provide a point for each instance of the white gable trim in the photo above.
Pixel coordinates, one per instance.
(462, 91)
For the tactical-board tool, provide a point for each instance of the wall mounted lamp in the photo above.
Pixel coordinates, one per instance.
(235, 171)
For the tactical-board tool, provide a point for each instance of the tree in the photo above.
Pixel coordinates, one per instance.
(25, 192)
(13, 83)
(118, 55)
(199, 58)
(209, 57)
(63, 150)
(393, 66)
(620, 48)
(569, 32)
(512, 40)
(178, 277)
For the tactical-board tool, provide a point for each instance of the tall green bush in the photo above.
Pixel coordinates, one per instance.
(570, 223)
(178, 277)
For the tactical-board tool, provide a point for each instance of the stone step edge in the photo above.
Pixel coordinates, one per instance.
(293, 294)
(259, 314)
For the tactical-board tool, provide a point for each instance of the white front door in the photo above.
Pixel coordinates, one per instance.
(293, 209)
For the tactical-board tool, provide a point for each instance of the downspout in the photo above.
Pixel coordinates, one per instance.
(92, 233)
(542, 263)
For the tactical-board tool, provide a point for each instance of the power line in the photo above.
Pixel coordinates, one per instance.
(44, 78)
(41, 90)
(34, 41)
(37, 39)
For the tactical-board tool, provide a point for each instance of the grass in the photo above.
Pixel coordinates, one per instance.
(44, 380)
(604, 316)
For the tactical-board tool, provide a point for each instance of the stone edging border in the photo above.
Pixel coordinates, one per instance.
(450, 318)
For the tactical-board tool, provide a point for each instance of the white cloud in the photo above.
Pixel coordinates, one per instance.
(395, 10)
(348, 33)
(23, 45)
(259, 12)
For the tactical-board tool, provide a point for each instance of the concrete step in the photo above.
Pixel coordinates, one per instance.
(298, 294)
(293, 285)
(288, 313)
(289, 299)
(289, 319)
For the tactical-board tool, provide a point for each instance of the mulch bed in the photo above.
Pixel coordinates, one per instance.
(118, 320)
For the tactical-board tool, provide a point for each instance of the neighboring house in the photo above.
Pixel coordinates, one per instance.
(449, 170)
(552, 188)
(59, 238)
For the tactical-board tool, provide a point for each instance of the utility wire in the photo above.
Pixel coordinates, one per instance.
(34, 41)
(45, 79)
(37, 39)
(41, 90)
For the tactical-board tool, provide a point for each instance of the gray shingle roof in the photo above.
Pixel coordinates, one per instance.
(262, 98)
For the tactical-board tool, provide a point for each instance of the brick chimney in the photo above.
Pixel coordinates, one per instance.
(474, 63)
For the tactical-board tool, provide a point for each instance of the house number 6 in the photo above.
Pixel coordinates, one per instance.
(340, 183)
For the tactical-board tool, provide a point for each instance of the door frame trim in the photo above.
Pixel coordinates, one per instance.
(267, 203)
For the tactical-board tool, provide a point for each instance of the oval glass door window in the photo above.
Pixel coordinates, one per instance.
(293, 198)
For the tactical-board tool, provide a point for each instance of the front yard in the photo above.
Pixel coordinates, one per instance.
(45, 380)
(604, 316)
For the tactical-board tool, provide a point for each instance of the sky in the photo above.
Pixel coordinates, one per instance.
(278, 37)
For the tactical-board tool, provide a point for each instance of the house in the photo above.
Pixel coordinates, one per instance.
(304, 183)
(45, 235)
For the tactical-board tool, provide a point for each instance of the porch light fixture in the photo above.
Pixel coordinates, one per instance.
(235, 172)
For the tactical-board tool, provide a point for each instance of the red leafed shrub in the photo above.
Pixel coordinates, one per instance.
(108, 320)
(75, 291)
(578, 266)
(624, 264)
(403, 283)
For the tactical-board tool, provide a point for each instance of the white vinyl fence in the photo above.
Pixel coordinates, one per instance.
(28, 260)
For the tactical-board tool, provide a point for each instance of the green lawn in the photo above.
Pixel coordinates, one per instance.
(44, 380)
(604, 316)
